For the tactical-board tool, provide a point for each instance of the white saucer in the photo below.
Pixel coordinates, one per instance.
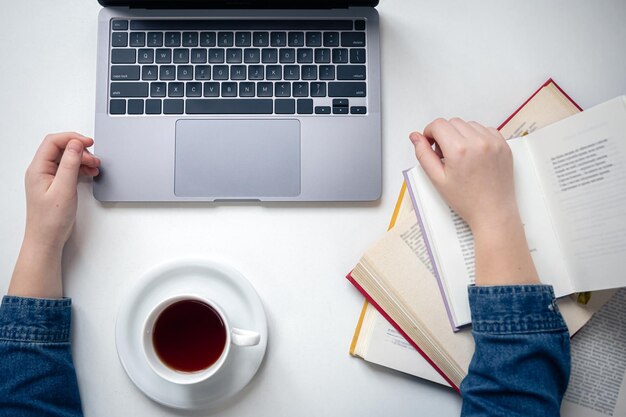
(218, 282)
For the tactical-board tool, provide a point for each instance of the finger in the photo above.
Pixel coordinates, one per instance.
(463, 127)
(67, 174)
(427, 157)
(442, 132)
(86, 171)
(495, 132)
(477, 127)
(89, 159)
(52, 148)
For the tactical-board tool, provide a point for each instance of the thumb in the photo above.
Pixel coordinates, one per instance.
(66, 177)
(427, 157)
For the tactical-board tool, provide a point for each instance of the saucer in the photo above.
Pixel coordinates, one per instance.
(218, 282)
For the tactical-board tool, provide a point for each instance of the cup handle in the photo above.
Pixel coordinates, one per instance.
(242, 337)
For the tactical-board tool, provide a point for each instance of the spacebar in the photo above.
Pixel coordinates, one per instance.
(230, 106)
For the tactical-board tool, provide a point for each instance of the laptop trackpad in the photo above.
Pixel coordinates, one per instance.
(237, 158)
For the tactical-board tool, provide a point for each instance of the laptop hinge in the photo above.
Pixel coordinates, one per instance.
(240, 4)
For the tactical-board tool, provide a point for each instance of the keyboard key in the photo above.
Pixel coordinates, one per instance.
(296, 39)
(318, 89)
(331, 38)
(309, 72)
(173, 106)
(149, 72)
(211, 89)
(350, 72)
(327, 72)
(358, 110)
(153, 106)
(193, 89)
(238, 72)
(246, 89)
(305, 56)
(172, 39)
(145, 56)
(322, 110)
(123, 56)
(274, 72)
(117, 106)
(256, 72)
(126, 89)
(269, 56)
(137, 39)
(285, 106)
(291, 72)
(340, 56)
(181, 56)
(229, 89)
(340, 110)
(313, 39)
(225, 39)
(359, 25)
(119, 24)
(207, 39)
(119, 39)
(353, 39)
(125, 72)
(243, 39)
(175, 89)
(216, 56)
(135, 106)
(198, 56)
(322, 56)
(167, 72)
(278, 39)
(265, 89)
(357, 56)
(203, 72)
(301, 89)
(340, 102)
(158, 90)
(260, 39)
(282, 89)
(190, 39)
(164, 56)
(233, 56)
(229, 106)
(305, 106)
(155, 39)
(287, 56)
(185, 72)
(346, 89)
(220, 72)
(252, 56)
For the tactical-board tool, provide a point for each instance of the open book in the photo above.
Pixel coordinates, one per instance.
(570, 180)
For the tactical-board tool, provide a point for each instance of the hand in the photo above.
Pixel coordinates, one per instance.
(472, 168)
(51, 180)
(51, 204)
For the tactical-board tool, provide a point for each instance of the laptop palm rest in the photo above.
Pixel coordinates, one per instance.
(238, 159)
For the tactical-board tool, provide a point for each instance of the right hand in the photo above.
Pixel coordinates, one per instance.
(471, 167)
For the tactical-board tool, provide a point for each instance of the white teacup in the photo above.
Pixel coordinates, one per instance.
(234, 336)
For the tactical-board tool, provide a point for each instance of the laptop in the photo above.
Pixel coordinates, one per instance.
(240, 100)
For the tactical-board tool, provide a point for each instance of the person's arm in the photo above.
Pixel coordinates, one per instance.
(35, 352)
(521, 363)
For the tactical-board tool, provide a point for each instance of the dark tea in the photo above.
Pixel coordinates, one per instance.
(189, 336)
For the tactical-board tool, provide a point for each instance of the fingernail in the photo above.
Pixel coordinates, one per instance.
(414, 137)
(75, 147)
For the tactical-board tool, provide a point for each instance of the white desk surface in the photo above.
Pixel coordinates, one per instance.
(477, 59)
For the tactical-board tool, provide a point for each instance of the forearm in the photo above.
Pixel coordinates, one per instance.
(37, 272)
(521, 363)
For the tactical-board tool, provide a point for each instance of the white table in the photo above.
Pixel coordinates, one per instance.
(475, 59)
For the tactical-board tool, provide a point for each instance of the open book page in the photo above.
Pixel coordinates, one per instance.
(597, 385)
(581, 163)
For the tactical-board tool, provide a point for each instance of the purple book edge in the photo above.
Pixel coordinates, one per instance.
(430, 252)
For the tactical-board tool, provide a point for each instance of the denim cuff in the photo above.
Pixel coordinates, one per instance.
(35, 320)
(514, 309)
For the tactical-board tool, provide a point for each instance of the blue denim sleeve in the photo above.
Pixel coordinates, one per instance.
(521, 364)
(38, 377)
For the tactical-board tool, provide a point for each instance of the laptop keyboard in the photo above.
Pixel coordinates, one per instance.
(196, 67)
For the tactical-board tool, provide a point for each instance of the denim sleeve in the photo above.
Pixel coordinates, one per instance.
(37, 373)
(521, 364)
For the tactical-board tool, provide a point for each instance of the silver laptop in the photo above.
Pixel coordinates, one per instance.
(211, 100)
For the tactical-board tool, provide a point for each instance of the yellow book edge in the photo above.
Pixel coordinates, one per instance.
(392, 222)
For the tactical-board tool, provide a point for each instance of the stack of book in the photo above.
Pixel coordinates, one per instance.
(570, 181)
